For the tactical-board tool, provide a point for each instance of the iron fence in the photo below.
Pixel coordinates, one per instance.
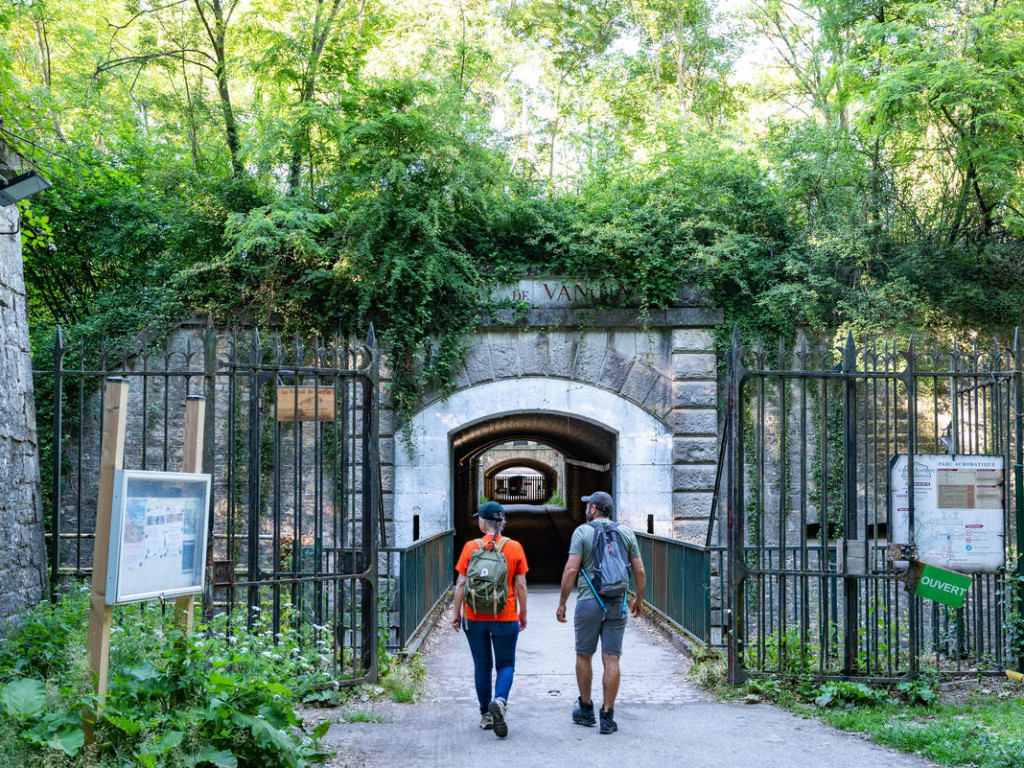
(418, 578)
(679, 584)
(815, 583)
(290, 441)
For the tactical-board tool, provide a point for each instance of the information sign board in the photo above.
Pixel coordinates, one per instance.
(958, 510)
(305, 403)
(157, 535)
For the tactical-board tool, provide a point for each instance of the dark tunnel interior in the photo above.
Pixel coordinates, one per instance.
(589, 455)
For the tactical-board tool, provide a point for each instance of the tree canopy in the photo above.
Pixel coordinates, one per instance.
(322, 164)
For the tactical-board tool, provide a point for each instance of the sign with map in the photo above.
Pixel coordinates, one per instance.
(958, 510)
(157, 535)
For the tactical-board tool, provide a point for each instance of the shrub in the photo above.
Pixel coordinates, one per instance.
(209, 698)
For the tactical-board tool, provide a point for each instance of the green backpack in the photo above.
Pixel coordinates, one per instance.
(487, 578)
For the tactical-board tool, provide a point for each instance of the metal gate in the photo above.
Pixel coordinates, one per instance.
(291, 444)
(814, 588)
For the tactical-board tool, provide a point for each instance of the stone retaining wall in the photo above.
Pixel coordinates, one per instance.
(22, 548)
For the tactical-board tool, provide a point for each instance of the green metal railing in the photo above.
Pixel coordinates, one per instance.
(419, 576)
(679, 582)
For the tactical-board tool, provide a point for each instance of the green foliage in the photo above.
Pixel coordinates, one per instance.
(322, 169)
(1013, 595)
(846, 694)
(402, 679)
(210, 697)
(789, 654)
(710, 670)
(983, 733)
(362, 716)
(918, 692)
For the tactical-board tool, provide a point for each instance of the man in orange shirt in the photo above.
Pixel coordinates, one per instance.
(492, 636)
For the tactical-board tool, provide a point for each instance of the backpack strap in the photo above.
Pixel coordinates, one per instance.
(499, 544)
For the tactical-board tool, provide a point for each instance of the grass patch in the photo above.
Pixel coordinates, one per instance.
(362, 716)
(402, 678)
(710, 670)
(986, 732)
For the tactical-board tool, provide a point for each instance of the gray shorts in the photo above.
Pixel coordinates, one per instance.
(591, 623)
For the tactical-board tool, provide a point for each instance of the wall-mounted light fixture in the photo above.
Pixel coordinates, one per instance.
(20, 187)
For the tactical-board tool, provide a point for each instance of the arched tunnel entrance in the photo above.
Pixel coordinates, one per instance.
(588, 455)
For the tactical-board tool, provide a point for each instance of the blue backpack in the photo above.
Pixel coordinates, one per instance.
(610, 574)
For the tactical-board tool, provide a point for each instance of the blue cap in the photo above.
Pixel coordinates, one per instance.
(492, 510)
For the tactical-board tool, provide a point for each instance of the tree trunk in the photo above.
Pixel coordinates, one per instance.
(42, 40)
(217, 34)
(321, 33)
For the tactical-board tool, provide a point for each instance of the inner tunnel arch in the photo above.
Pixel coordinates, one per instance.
(588, 451)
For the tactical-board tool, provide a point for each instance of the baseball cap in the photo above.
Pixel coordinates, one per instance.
(491, 510)
(601, 500)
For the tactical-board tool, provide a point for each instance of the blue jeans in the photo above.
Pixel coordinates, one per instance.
(501, 636)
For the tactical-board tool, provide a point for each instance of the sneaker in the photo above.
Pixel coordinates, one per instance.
(584, 713)
(608, 722)
(497, 712)
(486, 721)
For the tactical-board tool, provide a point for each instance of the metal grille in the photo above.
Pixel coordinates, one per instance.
(811, 434)
(416, 580)
(679, 583)
(290, 440)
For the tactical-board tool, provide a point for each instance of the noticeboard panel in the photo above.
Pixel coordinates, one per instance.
(958, 510)
(157, 535)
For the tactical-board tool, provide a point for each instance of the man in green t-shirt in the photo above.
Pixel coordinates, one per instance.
(598, 618)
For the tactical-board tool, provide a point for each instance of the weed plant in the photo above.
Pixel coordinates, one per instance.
(984, 733)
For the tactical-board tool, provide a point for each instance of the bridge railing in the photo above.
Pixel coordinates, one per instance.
(679, 583)
(417, 578)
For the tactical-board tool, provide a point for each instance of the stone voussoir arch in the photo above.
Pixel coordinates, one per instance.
(662, 363)
(642, 471)
(565, 356)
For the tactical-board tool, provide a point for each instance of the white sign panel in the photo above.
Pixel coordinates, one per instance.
(157, 535)
(958, 510)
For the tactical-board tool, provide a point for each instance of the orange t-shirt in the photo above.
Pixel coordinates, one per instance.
(516, 559)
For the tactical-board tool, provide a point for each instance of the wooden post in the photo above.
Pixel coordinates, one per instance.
(115, 412)
(195, 411)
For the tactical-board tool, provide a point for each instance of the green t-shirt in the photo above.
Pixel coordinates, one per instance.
(583, 544)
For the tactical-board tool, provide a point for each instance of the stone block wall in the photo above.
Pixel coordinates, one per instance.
(22, 547)
(695, 431)
(664, 363)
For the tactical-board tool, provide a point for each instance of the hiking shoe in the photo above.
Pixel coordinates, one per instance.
(497, 712)
(486, 721)
(608, 722)
(584, 713)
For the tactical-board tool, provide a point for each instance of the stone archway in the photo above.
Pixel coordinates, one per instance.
(648, 378)
(613, 445)
(494, 475)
